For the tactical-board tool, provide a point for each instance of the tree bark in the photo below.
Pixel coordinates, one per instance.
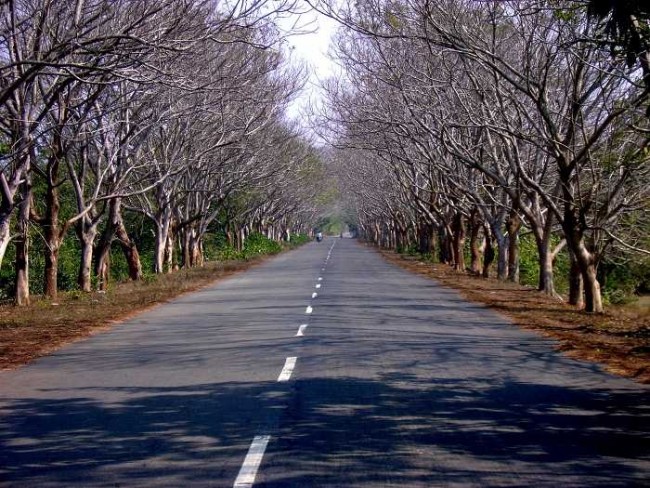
(475, 251)
(87, 233)
(22, 248)
(427, 238)
(459, 233)
(546, 283)
(53, 238)
(502, 249)
(585, 260)
(446, 252)
(130, 250)
(513, 225)
(488, 253)
(115, 228)
(162, 231)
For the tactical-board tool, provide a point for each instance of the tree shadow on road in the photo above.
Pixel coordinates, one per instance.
(406, 431)
(394, 430)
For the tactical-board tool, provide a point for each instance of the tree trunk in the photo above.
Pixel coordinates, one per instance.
(444, 237)
(87, 233)
(593, 297)
(475, 251)
(513, 226)
(546, 283)
(424, 238)
(162, 232)
(22, 248)
(502, 250)
(169, 250)
(103, 251)
(5, 234)
(576, 295)
(53, 240)
(103, 265)
(585, 261)
(488, 253)
(130, 251)
(195, 249)
(459, 233)
(115, 228)
(159, 250)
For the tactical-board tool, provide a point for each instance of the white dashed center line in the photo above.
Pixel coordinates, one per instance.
(320, 278)
(314, 295)
(301, 330)
(318, 285)
(248, 471)
(309, 309)
(286, 372)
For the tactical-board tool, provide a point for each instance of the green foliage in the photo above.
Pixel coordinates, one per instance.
(528, 261)
(298, 240)
(529, 264)
(7, 275)
(217, 247)
(621, 282)
(257, 244)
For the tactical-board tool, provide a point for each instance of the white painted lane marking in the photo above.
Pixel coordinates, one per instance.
(301, 330)
(320, 279)
(314, 295)
(318, 285)
(287, 370)
(309, 309)
(252, 461)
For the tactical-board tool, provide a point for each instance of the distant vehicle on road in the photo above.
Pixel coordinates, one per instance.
(319, 236)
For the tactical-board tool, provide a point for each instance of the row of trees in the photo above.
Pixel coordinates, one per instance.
(170, 109)
(481, 120)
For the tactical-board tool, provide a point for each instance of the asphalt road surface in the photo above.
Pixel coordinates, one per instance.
(325, 366)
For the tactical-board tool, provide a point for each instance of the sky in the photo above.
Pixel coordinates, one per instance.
(310, 48)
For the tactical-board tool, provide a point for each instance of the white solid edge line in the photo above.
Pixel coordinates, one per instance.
(314, 295)
(287, 370)
(309, 309)
(252, 461)
(301, 330)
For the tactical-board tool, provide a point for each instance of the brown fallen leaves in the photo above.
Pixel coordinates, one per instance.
(619, 339)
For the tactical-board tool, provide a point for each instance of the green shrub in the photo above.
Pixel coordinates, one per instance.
(298, 239)
(228, 254)
(621, 282)
(257, 244)
(529, 264)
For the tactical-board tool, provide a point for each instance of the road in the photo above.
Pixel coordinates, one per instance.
(322, 367)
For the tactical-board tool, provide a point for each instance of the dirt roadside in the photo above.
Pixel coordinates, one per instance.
(619, 339)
